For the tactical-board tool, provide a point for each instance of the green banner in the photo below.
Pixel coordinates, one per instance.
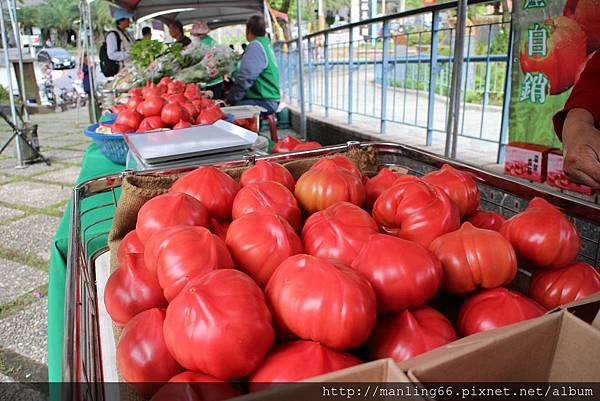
(553, 41)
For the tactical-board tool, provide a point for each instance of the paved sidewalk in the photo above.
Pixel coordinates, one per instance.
(32, 200)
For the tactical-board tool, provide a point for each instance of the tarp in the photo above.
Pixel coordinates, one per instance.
(214, 13)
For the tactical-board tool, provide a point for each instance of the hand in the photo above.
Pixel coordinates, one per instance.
(581, 148)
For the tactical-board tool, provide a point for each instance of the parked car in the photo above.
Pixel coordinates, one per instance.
(57, 58)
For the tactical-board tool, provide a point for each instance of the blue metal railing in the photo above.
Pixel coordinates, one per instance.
(402, 75)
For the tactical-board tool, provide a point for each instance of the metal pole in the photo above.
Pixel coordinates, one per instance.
(433, 73)
(326, 56)
(384, 73)
(12, 14)
(13, 106)
(91, 61)
(350, 71)
(506, 101)
(301, 71)
(456, 86)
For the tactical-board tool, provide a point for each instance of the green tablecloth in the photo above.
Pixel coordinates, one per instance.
(94, 164)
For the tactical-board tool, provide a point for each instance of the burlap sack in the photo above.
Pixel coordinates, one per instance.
(137, 190)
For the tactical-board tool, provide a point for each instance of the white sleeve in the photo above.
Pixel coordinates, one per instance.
(111, 48)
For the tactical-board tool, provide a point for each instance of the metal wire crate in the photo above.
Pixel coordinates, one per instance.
(82, 350)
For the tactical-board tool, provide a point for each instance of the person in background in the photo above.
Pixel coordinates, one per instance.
(85, 70)
(257, 82)
(176, 32)
(200, 34)
(577, 127)
(119, 40)
(146, 33)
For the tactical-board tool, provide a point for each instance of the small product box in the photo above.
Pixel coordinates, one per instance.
(526, 160)
(555, 176)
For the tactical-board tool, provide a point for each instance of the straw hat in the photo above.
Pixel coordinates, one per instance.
(200, 28)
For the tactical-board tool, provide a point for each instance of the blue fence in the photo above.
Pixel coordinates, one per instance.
(398, 68)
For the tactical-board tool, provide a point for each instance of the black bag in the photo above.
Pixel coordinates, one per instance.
(109, 67)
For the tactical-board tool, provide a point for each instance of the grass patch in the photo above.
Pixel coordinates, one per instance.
(22, 301)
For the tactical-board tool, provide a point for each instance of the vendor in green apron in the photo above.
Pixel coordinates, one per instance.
(257, 82)
(200, 34)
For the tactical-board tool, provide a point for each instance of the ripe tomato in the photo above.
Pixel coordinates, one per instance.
(268, 171)
(474, 257)
(553, 288)
(219, 325)
(212, 187)
(151, 107)
(129, 118)
(259, 242)
(179, 253)
(270, 196)
(307, 146)
(165, 81)
(342, 162)
(129, 244)
(192, 92)
(409, 333)
(142, 356)
(321, 187)
(135, 92)
(133, 102)
(132, 289)
(376, 185)
(172, 113)
(299, 360)
(487, 220)
(319, 301)
(192, 386)
(459, 186)
(177, 98)
(498, 307)
(210, 115)
(403, 273)
(151, 90)
(415, 210)
(121, 129)
(182, 124)
(542, 235)
(175, 87)
(191, 109)
(286, 144)
(338, 232)
(151, 124)
(167, 210)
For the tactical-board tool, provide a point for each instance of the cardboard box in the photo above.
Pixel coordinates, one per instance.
(555, 176)
(558, 347)
(526, 161)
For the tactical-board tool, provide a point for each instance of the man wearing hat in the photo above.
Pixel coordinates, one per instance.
(200, 34)
(119, 40)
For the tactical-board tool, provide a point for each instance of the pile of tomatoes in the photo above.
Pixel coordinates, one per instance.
(274, 280)
(170, 104)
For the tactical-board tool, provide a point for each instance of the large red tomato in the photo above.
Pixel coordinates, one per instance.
(129, 244)
(151, 107)
(142, 356)
(542, 235)
(191, 109)
(192, 386)
(553, 288)
(299, 360)
(498, 307)
(338, 232)
(566, 50)
(403, 273)
(167, 210)
(129, 118)
(487, 220)
(210, 115)
(321, 187)
(219, 325)
(132, 289)
(287, 144)
(474, 257)
(172, 113)
(268, 171)
(319, 301)
(179, 253)
(459, 186)
(415, 210)
(151, 90)
(150, 124)
(259, 242)
(342, 162)
(409, 333)
(133, 101)
(376, 185)
(267, 195)
(212, 187)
